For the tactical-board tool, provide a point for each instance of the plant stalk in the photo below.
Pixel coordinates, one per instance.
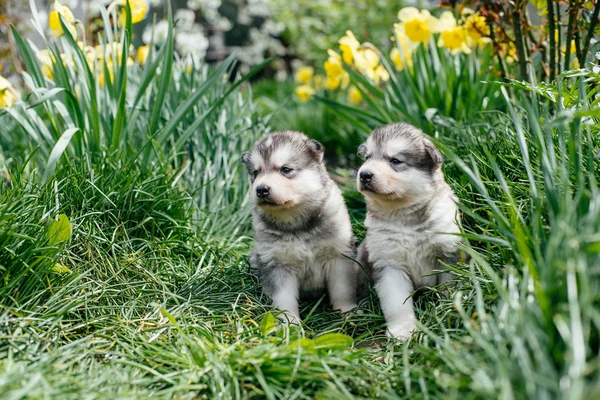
(520, 40)
(590, 32)
(552, 34)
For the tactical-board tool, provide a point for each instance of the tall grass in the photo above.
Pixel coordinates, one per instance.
(151, 294)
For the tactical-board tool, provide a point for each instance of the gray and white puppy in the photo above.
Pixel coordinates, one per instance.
(409, 206)
(302, 231)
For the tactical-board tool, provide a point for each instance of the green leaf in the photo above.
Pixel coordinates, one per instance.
(267, 324)
(59, 230)
(57, 151)
(61, 269)
(304, 344)
(170, 317)
(333, 341)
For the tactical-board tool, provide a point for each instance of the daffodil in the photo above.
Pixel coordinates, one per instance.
(333, 65)
(354, 95)
(45, 60)
(336, 75)
(455, 40)
(305, 92)
(476, 27)
(142, 54)
(366, 59)
(8, 95)
(401, 54)
(349, 46)
(304, 74)
(381, 74)
(418, 25)
(65, 12)
(452, 37)
(139, 8)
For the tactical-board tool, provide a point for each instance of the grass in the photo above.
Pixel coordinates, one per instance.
(148, 292)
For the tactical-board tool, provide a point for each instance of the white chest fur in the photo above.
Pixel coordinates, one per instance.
(414, 249)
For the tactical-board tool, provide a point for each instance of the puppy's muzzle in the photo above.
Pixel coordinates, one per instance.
(262, 191)
(365, 176)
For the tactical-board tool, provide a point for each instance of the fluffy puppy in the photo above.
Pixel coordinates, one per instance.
(409, 206)
(303, 241)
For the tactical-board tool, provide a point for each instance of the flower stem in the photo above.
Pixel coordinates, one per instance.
(573, 8)
(520, 39)
(590, 32)
(552, 34)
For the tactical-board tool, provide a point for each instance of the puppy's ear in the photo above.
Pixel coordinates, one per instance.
(362, 150)
(433, 152)
(246, 158)
(316, 148)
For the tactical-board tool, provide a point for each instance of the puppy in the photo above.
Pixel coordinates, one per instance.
(409, 206)
(303, 241)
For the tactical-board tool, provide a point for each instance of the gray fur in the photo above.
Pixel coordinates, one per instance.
(409, 207)
(304, 249)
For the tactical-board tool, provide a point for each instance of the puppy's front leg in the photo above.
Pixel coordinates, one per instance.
(394, 287)
(284, 292)
(341, 283)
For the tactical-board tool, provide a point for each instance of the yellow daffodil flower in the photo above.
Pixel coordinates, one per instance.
(8, 95)
(139, 8)
(304, 74)
(452, 37)
(45, 60)
(336, 75)
(476, 27)
(381, 74)
(54, 20)
(305, 92)
(418, 25)
(354, 95)
(333, 65)
(142, 54)
(349, 46)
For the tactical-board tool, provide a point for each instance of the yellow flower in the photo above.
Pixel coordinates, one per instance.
(452, 37)
(138, 11)
(381, 74)
(304, 74)
(401, 54)
(45, 60)
(54, 20)
(333, 65)
(336, 75)
(142, 54)
(354, 95)
(418, 25)
(476, 27)
(455, 40)
(366, 59)
(305, 92)
(397, 59)
(8, 95)
(349, 46)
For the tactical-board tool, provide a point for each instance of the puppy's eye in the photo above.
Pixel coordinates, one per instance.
(255, 173)
(395, 161)
(367, 156)
(286, 170)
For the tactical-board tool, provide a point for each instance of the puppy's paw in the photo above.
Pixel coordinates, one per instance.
(401, 330)
(344, 307)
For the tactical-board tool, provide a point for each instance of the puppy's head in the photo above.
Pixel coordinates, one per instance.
(400, 165)
(286, 172)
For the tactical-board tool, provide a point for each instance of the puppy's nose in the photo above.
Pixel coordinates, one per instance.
(365, 176)
(262, 191)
